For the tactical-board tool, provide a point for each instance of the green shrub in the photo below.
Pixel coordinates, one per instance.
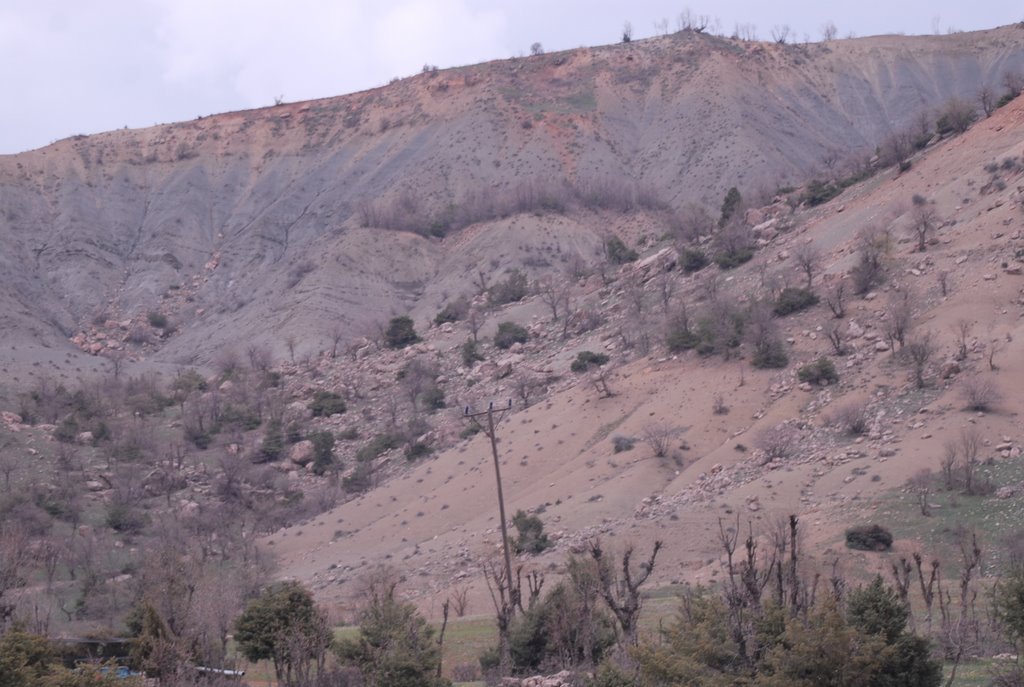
(510, 333)
(273, 442)
(377, 447)
(470, 354)
(433, 398)
(618, 252)
(124, 518)
(156, 319)
(532, 538)
(680, 339)
(730, 204)
(770, 354)
(793, 299)
(821, 371)
(621, 443)
(453, 311)
(198, 438)
(693, 260)
(869, 538)
(323, 451)
(515, 288)
(400, 332)
(327, 403)
(819, 192)
(587, 359)
(728, 260)
(416, 450)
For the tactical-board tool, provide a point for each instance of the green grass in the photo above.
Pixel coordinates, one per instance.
(994, 519)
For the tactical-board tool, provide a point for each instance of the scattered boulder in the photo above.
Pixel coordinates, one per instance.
(301, 453)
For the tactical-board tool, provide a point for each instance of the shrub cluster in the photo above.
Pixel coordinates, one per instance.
(587, 359)
(821, 371)
(326, 403)
(869, 538)
(793, 299)
(510, 333)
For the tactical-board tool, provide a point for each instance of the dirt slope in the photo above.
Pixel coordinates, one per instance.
(438, 522)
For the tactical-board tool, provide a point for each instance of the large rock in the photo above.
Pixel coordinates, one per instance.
(301, 453)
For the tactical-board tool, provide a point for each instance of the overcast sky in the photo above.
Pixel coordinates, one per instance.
(84, 66)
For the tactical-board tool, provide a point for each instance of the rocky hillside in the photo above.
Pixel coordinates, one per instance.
(257, 225)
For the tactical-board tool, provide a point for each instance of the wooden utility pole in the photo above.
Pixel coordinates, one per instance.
(489, 430)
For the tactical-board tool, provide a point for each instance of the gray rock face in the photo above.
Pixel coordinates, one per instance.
(241, 225)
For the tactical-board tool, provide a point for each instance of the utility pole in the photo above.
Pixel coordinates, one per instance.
(489, 430)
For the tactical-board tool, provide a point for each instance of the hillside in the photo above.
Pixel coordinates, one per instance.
(247, 226)
(438, 522)
(204, 380)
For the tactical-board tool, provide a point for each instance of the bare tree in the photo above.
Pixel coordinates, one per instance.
(963, 332)
(527, 386)
(622, 593)
(260, 357)
(920, 351)
(921, 484)
(475, 320)
(808, 260)
(987, 99)
(780, 34)
(980, 393)
(898, 320)
(829, 31)
(665, 283)
(627, 32)
(835, 297)
(555, 294)
(658, 436)
(943, 278)
(290, 342)
(924, 221)
(834, 333)
(1013, 81)
(970, 446)
(337, 334)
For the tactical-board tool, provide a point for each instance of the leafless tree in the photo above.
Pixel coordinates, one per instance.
(808, 260)
(689, 21)
(621, 591)
(691, 222)
(337, 334)
(853, 418)
(290, 343)
(658, 436)
(829, 31)
(873, 245)
(921, 484)
(970, 446)
(920, 351)
(963, 332)
(505, 596)
(718, 405)
(987, 99)
(778, 442)
(1013, 81)
(834, 333)
(665, 283)
(898, 320)
(527, 386)
(260, 357)
(780, 34)
(555, 294)
(835, 297)
(475, 320)
(943, 279)
(924, 221)
(994, 347)
(460, 601)
(980, 393)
